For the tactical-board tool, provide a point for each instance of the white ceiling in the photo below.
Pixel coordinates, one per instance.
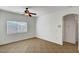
(40, 10)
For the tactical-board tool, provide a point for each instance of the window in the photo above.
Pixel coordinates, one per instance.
(16, 27)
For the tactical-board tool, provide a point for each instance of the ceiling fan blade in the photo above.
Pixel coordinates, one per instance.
(30, 15)
(33, 13)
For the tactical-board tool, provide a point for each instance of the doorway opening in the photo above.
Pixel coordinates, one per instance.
(70, 29)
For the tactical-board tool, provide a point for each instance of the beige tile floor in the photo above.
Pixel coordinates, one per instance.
(36, 45)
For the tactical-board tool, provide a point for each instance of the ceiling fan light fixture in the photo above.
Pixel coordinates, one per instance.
(26, 14)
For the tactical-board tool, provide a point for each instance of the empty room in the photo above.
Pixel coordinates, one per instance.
(39, 29)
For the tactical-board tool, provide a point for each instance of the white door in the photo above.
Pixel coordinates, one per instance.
(70, 25)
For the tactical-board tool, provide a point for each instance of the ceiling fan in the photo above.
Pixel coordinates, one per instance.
(26, 12)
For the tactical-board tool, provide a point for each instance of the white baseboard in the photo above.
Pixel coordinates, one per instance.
(7, 42)
(38, 36)
(44, 38)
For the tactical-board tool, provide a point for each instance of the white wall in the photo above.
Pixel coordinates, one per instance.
(31, 27)
(50, 26)
(47, 28)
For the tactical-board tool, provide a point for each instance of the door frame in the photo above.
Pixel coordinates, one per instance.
(63, 27)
